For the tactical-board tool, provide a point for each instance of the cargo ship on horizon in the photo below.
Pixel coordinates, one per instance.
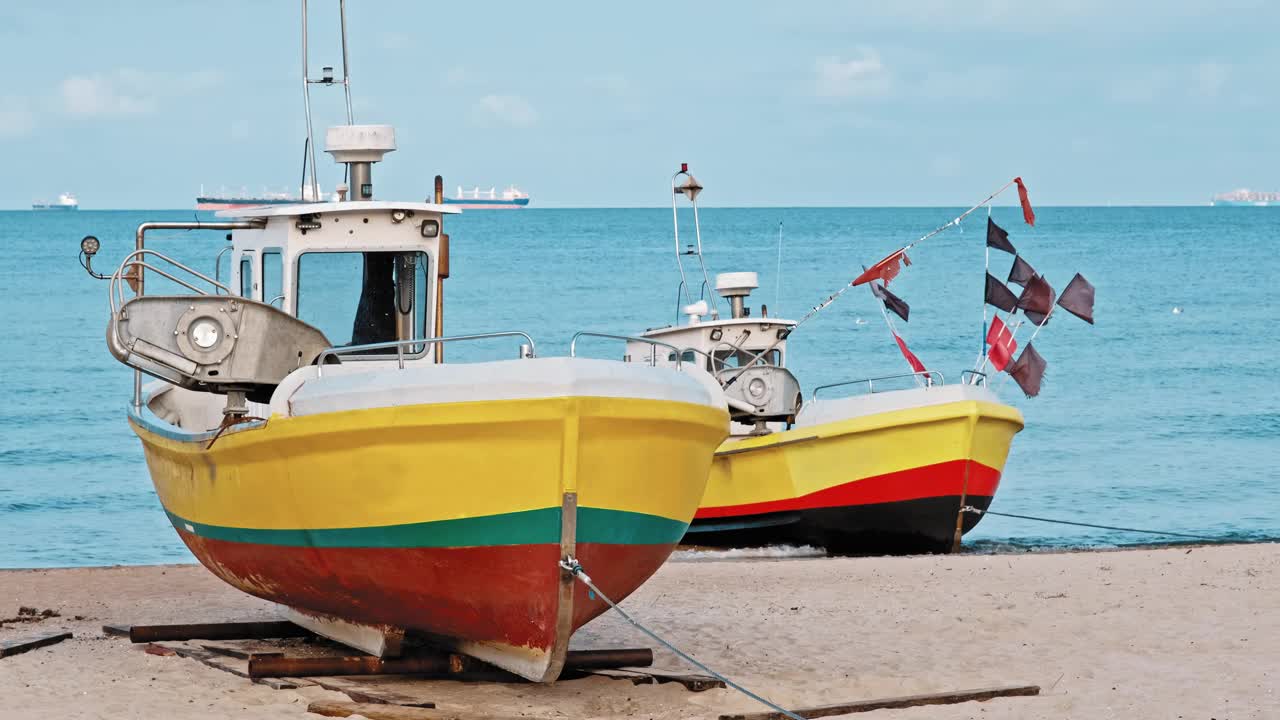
(1245, 198)
(476, 199)
(65, 201)
(222, 200)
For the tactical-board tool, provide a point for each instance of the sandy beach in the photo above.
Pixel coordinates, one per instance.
(1161, 633)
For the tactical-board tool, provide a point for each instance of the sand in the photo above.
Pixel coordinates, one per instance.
(1158, 633)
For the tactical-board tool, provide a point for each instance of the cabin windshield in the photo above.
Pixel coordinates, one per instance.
(740, 358)
(357, 298)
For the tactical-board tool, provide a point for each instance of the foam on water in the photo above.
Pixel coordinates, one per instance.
(1150, 419)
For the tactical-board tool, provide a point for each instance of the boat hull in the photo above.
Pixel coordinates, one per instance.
(892, 480)
(447, 520)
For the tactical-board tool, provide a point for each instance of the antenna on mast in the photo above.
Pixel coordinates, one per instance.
(326, 78)
(690, 188)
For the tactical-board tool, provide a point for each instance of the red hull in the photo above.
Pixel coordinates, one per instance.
(505, 594)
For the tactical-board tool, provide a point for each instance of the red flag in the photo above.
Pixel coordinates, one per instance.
(912, 360)
(1002, 344)
(885, 270)
(1027, 213)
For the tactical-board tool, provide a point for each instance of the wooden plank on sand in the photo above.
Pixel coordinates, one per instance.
(692, 682)
(943, 698)
(364, 692)
(243, 650)
(217, 631)
(31, 642)
(116, 630)
(395, 712)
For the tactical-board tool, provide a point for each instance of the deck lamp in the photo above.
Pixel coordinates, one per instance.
(89, 245)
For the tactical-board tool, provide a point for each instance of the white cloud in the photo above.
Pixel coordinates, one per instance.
(128, 91)
(16, 119)
(510, 110)
(862, 76)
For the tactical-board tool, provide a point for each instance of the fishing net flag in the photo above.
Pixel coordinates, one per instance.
(1077, 298)
(1027, 213)
(885, 270)
(912, 360)
(1037, 296)
(999, 295)
(1000, 338)
(998, 238)
(1028, 371)
(891, 301)
(1021, 271)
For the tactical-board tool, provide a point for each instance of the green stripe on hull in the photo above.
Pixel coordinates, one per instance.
(529, 527)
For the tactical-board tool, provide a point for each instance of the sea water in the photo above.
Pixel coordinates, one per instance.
(1154, 418)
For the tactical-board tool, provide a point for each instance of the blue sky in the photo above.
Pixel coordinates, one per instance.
(135, 105)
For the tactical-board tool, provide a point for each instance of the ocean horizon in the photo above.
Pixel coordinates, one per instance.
(1163, 416)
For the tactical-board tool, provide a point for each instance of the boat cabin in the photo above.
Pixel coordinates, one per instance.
(745, 354)
(309, 284)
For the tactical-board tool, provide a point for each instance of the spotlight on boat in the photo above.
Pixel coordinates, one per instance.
(430, 228)
(89, 245)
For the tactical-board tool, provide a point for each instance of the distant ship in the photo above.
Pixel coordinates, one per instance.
(1246, 198)
(477, 199)
(66, 201)
(222, 200)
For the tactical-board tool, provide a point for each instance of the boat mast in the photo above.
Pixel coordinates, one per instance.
(326, 78)
(690, 189)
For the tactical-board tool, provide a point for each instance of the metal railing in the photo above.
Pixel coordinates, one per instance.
(928, 376)
(400, 345)
(133, 265)
(973, 377)
(653, 355)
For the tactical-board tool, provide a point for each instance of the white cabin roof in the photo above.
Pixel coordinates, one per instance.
(329, 207)
(722, 323)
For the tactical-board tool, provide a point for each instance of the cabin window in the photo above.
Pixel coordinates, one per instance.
(688, 356)
(357, 298)
(272, 278)
(739, 358)
(246, 275)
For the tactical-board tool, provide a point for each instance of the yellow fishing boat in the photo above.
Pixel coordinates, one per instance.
(311, 448)
(888, 468)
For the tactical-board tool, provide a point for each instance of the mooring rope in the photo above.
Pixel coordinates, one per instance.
(979, 511)
(572, 565)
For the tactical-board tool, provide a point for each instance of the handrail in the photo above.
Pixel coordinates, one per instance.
(217, 263)
(140, 276)
(134, 261)
(399, 346)
(973, 377)
(928, 376)
(653, 356)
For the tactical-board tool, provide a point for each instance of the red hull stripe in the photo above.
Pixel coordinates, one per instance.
(940, 480)
(530, 527)
(498, 594)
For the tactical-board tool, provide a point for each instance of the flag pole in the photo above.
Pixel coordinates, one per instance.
(893, 330)
(1032, 338)
(987, 267)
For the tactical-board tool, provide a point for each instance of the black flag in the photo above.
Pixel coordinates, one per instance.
(1021, 271)
(891, 301)
(1077, 298)
(999, 295)
(1028, 371)
(1036, 318)
(998, 238)
(1037, 296)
